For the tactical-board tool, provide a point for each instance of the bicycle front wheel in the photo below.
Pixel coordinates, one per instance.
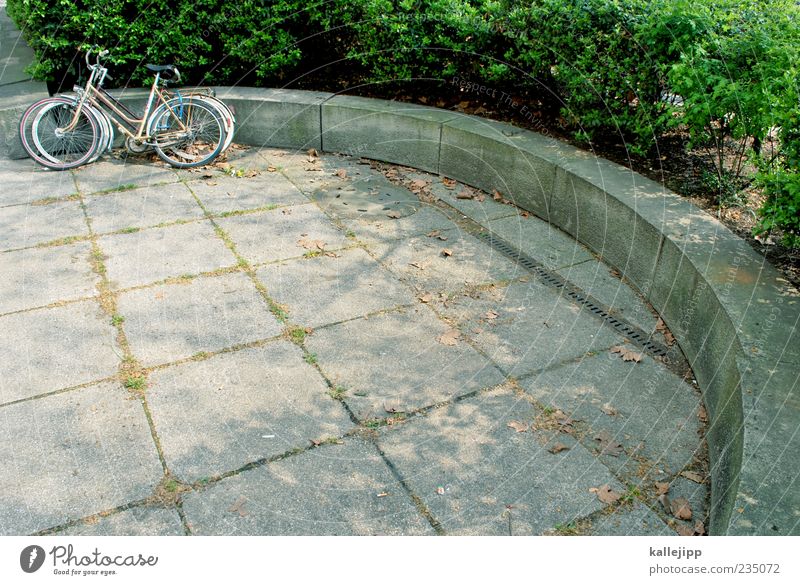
(62, 144)
(191, 135)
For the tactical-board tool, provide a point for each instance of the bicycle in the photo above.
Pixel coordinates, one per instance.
(64, 132)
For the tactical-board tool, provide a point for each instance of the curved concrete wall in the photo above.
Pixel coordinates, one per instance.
(733, 315)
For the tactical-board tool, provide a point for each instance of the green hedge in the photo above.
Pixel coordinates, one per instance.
(609, 65)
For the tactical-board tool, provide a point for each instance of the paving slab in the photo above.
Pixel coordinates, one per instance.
(223, 194)
(431, 264)
(654, 412)
(550, 246)
(36, 277)
(143, 207)
(478, 476)
(274, 235)
(394, 361)
(111, 175)
(24, 181)
(630, 520)
(28, 225)
(48, 349)
(599, 281)
(138, 521)
(341, 489)
(533, 328)
(152, 255)
(166, 323)
(325, 289)
(385, 229)
(217, 415)
(67, 456)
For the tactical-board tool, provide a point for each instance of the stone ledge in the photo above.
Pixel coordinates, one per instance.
(733, 315)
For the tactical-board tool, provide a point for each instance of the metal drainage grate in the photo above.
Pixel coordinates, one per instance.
(636, 335)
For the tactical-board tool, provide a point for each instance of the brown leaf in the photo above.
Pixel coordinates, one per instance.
(426, 298)
(480, 197)
(662, 487)
(699, 528)
(524, 214)
(681, 509)
(449, 183)
(271, 169)
(663, 499)
(607, 444)
(683, 530)
(608, 409)
(308, 330)
(394, 214)
(249, 174)
(238, 506)
(433, 234)
(464, 195)
(418, 185)
(558, 448)
(662, 328)
(702, 414)
(518, 426)
(447, 252)
(207, 175)
(341, 173)
(449, 337)
(605, 494)
(691, 475)
(312, 152)
(490, 315)
(311, 244)
(496, 195)
(627, 354)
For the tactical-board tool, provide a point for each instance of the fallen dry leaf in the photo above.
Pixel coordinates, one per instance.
(249, 174)
(608, 409)
(426, 298)
(341, 173)
(449, 183)
(449, 337)
(518, 426)
(271, 169)
(661, 327)
(311, 244)
(558, 448)
(605, 494)
(464, 195)
(393, 214)
(490, 315)
(480, 197)
(662, 487)
(433, 234)
(524, 214)
(418, 185)
(681, 509)
(691, 475)
(627, 354)
(312, 152)
(663, 499)
(447, 252)
(683, 530)
(238, 506)
(699, 528)
(702, 414)
(496, 195)
(607, 444)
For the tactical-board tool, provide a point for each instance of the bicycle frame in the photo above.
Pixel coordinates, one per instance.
(120, 113)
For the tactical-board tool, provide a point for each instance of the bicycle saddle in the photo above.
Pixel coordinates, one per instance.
(171, 69)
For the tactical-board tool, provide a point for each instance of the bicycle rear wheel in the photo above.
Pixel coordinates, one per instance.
(64, 149)
(190, 136)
